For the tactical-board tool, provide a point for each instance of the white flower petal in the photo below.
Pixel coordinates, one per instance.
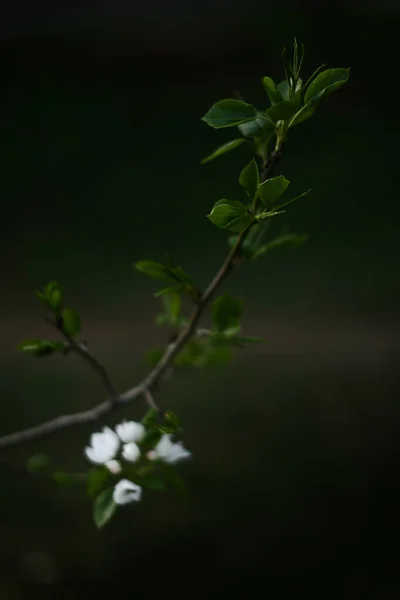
(130, 431)
(169, 451)
(126, 491)
(131, 452)
(104, 446)
(113, 466)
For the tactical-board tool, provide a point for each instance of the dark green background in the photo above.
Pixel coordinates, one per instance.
(293, 483)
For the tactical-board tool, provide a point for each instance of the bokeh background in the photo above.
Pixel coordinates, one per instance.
(294, 479)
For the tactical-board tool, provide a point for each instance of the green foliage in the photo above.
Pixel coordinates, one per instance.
(265, 131)
(226, 313)
(231, 215)
(227, 113)
(274, 94)
(37, 462)
(70, 321)
(97, 480)
(41, 347)
(51, 296)
(250, 178)
(272, 189)
(231, 145)
(279, 242)
(104, 507)
(325, 83)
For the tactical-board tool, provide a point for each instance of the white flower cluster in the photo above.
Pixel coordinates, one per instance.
(106, 445)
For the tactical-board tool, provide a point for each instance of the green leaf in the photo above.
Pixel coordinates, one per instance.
(41, 347)
(274, 94)
(173, 480)
(250, 178)
(172, 304)
(97, 480)
(170, 290)
(227, 113)
(152, 482)
(260, 128)
(282, 111)
(37, 462)
(68, 479)
(231, 215)
(226, 312)
(284, 89)
(280, 241)
(172, 420)
(151, 438)
(325, 83)
(154, 356)
(272, 189)
(294, 199)
(150, 419)
(303, 114)
(104, 507)
(267, 214)
(71, 321)
(153, 269)
(231, 145)
(180, 275)
(51, 296)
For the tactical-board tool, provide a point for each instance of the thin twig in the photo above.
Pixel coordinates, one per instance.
(145, 387)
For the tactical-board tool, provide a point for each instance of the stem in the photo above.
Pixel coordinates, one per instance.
(145, 387)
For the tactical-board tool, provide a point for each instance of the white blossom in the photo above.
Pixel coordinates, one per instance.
(104, 446)
(130, 431)
(131, 452)
(126, 491)
(169, 451)
(113, 466)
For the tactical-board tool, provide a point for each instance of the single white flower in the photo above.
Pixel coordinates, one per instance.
(130, 431)
(114, 467)
(126, 491)
(131, 452)
(104, 446)
(168, 451)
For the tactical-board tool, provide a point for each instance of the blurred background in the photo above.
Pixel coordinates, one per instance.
(294, 478)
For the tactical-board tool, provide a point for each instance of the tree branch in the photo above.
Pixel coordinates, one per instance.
(145, 387)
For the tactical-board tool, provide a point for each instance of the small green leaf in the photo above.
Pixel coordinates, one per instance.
(172, 420)
(151, 438)
(104, 507)
(325, 83)
(226, 312)
(180, 275)
(172, 304)
(170, 290)
(267, 214)
(97, 480)
(37, 462)
(231, 145)
(274, 94)
(260, 128)
(282, 111)
(173, 480)
(41, 347)
(71, 321)
(153, 269)
(227, 113)
(303, 114)
(154, 356)
(250, 178)
(280, 241)
(284, 89)
(272, 189)
(51, 296)
(294, 199)
(150, 419)
(152, 482)
(231, 215)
